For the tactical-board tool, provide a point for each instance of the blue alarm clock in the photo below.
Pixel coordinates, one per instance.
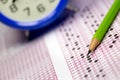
(30, 14)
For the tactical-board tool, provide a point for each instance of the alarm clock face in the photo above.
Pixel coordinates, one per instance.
(29, 13)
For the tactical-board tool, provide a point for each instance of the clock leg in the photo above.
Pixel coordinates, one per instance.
(70, 7)
(27, 34)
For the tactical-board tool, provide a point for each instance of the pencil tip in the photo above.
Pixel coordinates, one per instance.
(89, 52)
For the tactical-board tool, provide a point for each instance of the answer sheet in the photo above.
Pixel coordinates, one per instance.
(61, 53)
(10, 37)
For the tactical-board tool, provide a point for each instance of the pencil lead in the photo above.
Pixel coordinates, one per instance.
(88, 52)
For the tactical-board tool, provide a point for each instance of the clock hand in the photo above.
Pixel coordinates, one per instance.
(13, 1)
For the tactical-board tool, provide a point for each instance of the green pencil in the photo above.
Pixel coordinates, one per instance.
(104, 26)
